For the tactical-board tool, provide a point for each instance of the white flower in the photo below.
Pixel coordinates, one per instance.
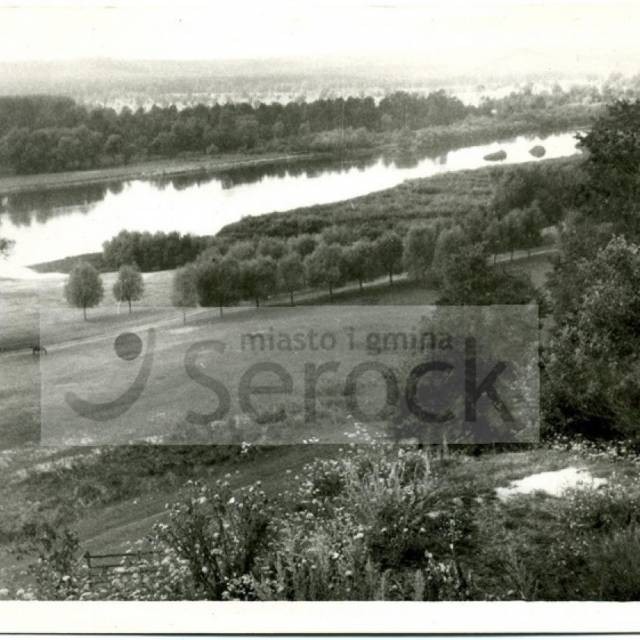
(231, 501)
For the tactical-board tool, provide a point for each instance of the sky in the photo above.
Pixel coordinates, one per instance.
(453, 34)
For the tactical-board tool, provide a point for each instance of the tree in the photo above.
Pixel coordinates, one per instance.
(5, 247)
(337, 234)
(513, 230)
(184, 293)
(84, 288)
(592, 366)
(272, 247)
(357, 260)
(531, 227)
(122, 249)
(325, 266)
(467, 279)
(114, 145)
(494, 238)
(388, 249)
(452, 241)
(419, 249)
(613, 166)
(258, 278)
(291, 273)
(304, 244)
(129, 286)
(244, 250)
(218, 282)
(580, 241)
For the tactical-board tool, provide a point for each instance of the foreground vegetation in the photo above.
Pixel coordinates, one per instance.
(370, 522)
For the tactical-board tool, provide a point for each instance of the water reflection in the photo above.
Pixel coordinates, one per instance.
(231, 178)
(39, 206)
(51, 224)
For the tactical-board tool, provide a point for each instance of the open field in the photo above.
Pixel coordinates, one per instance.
(28, 303)
(132, 502)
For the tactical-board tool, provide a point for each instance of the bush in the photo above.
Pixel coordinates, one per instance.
(219, 534)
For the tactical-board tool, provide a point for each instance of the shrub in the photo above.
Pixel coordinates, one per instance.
(219, 534)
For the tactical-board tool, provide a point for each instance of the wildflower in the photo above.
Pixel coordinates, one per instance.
(231, 500)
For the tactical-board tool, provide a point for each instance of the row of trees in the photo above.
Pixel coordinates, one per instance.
(255, 271)
(85, 289)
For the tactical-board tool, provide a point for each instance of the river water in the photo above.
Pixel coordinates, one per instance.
(51, 224)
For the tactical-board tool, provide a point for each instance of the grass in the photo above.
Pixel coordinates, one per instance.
(20, 402)
(27, 304)
(512, 550)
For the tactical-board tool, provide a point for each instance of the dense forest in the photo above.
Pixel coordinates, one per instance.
(46, 133)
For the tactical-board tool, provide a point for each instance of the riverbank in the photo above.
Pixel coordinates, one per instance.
(431, 140)
(441, 196)
(148, 170)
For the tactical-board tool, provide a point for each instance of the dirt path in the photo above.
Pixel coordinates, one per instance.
(114, 528)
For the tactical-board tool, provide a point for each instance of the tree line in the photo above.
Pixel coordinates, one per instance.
(224, 274)
(152, 251)
(248, 270)
(52, 133)
(47, 133)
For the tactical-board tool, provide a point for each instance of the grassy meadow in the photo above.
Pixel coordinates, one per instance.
(114, 496)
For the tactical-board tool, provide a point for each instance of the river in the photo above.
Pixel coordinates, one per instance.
(51, 224)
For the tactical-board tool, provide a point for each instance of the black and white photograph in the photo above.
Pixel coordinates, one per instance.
(320, 301)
